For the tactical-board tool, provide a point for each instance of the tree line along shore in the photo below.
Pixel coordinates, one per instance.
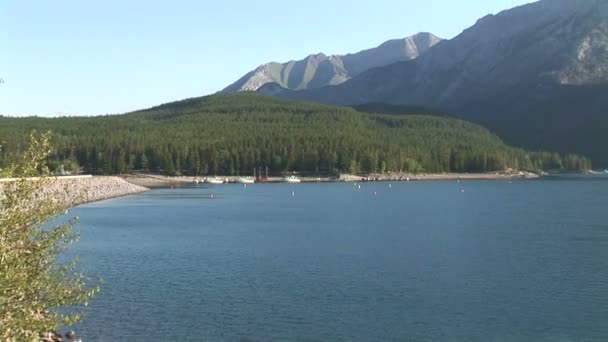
(233, 134)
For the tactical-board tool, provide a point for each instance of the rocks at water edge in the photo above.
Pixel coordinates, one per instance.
(98, 188)
(77, 190)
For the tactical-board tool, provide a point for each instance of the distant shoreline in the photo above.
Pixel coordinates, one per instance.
(77, 190)
(154, 180)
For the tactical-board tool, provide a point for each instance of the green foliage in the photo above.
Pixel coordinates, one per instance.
(385, 108)
(233, 134)
(32, 282)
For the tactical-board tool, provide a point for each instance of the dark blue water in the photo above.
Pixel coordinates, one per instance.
(420, 261)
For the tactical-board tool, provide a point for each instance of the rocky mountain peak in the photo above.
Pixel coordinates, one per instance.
(319, 70)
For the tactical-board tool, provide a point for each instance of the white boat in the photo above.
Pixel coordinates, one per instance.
(292, 179)
(246, 180)
(215, 180)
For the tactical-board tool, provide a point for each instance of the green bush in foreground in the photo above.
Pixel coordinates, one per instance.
(32, 281)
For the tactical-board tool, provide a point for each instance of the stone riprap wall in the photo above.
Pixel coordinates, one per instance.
(77, 190)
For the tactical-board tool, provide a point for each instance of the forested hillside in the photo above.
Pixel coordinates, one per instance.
(232, 134)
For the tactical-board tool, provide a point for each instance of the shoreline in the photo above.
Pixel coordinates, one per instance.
(83, 189)
(451, 176)
(160, 181)
(92, 189)
(99, 188)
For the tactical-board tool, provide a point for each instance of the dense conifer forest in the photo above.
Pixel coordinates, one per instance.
(233, 134)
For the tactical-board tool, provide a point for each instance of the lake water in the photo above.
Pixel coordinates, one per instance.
(419, 261)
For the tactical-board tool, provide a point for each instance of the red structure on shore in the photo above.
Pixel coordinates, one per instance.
(258, 177)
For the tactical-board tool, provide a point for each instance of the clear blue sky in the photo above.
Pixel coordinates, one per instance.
(96, 57)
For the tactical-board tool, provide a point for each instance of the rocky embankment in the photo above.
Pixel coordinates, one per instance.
(78, 190)
(84, 190)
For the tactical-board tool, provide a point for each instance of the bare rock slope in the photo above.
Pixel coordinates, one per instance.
(320, 70)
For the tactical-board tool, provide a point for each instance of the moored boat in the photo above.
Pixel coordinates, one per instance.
(246, 180)
(292, 179)
(214, 180)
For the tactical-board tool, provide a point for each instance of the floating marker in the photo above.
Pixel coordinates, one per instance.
(293, 194)
(375, 193)
(390, 186)
(461, 190)
(359, 186)
(212, 196)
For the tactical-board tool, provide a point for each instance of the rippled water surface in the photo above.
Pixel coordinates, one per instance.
(416, 261)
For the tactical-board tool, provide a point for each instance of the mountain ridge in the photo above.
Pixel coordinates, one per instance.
(318, 70)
